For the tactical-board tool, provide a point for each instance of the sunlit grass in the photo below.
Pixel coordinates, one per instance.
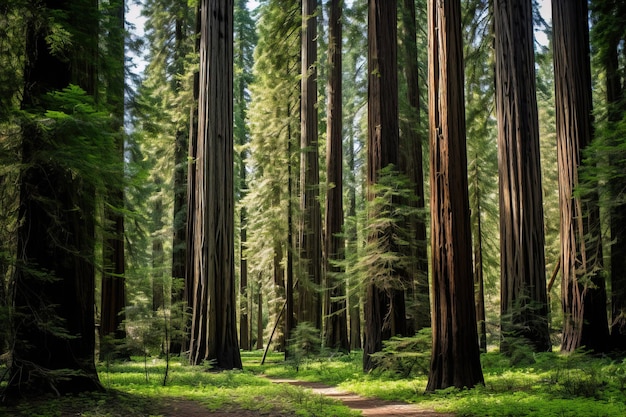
(554, 385)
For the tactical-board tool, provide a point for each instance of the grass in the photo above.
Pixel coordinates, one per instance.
(554, 385)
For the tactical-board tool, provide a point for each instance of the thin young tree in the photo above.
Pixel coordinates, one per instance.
(583, 293)
(523, 296)
(336, 328)
(214, 326)
(455, 354)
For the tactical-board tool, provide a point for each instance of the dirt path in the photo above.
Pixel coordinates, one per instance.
(371, 407)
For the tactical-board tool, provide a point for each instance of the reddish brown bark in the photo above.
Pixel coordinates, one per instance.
(309, 304)
(214, 323)
(523, 296)
(384, 308)
(455, 354)
(336, 328)
(583, 293)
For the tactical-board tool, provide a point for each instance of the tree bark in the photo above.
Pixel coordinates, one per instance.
(583, 291)
(523, 296)
(179, 235)
(113, 286)
(455, 354)
(310, 307)
(54, 282)
(336, 328)
(612, 35)
(214, 331)
(410, 163)
(384, 307)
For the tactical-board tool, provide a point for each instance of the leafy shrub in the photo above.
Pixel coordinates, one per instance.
(405, 356)
(305, 343)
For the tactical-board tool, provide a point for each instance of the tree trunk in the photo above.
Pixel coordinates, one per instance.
(354, 298)
(310, 308)
(479, 277)
(113, 286)
(455, 354)
(179, 235)
(259, 326)
(189, 291)
(410, 163)
(523, 299)
(336, 328)
(612, 34)
(583, 291)
(214, 331)
(384, 305)
(54, 281)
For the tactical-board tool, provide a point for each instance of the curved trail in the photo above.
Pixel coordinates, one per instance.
(371, 407)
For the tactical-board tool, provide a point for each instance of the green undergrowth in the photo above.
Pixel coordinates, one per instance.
(554, 385)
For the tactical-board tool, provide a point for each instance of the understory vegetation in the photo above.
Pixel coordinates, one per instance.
(554, 384)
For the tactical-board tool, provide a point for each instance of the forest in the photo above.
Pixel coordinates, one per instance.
(414, 200)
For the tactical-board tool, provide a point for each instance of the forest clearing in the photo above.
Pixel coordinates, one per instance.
(554, 385)
(412, 201)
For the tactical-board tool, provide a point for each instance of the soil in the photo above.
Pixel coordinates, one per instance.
(369, 407)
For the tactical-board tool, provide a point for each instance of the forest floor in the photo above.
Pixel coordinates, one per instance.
(370, 407)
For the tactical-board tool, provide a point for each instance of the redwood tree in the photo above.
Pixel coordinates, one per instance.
(53, 319)
(410, 163)
(455, 354)
(583, 294)
(309, 305)
(336, 328)
(523, 296)
(113, 296)
(384, 308)
(214, 323)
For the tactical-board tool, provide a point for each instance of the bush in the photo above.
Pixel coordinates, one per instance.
(405, 356)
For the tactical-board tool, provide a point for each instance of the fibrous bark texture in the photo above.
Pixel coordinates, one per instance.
(455, 355)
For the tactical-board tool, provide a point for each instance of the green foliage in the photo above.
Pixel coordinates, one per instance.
(384, 258)
(304, 344)
(549, 388)
(405, 356)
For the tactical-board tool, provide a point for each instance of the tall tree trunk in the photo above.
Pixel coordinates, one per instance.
(54, 283)
(336, 328)
(158, 256)
(523, 299)
(354, 298)
(612, 34)
(410, 163)
(113, 287)
(384, 305)
(214, 331)
(190, 288)
(583, 291)
(259, 325)
(179, 235)
(309, 304)
(455, 354)
(479, 277)
(290, 320)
